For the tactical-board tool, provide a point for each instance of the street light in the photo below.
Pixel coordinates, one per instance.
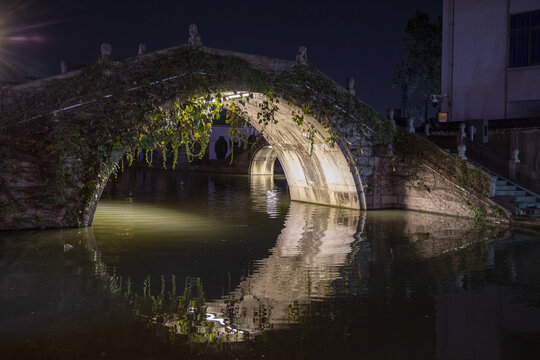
(436, 101)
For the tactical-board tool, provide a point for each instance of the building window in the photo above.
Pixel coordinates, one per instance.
(525, 39)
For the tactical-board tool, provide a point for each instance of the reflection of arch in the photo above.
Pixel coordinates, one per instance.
(309, 252)
(265, 194)
(323, 251)
(221, 148)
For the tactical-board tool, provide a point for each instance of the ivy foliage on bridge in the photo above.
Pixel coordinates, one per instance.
(419, 150)
(159, 101)
(416, 151)
(172, 98)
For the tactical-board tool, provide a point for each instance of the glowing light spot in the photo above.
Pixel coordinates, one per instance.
(18, 29)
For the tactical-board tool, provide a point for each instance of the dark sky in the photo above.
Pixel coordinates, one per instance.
(360, 39)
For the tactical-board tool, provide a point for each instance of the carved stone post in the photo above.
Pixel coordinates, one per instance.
(515, 152)
(427, 128)
(472, 131)
(390, 115)
(64, 67)
(142, 49)
(194, 37)
(411, 124)
(350, 86)
(301, 55)
(462, 133)
(513, 163)
(493, 189)
(462, 148)
(106, 50)
(484, 131)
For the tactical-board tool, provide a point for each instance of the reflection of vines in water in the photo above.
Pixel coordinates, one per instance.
(183, 314)
(259, 314)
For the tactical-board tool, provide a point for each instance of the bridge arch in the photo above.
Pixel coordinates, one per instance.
(316, 171)
(263, 161)
(91, 116)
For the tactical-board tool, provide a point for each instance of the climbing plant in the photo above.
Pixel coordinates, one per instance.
(185, 124)
(418, 150)
(76, 126)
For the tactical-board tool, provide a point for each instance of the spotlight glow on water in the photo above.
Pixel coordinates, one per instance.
(126, 217)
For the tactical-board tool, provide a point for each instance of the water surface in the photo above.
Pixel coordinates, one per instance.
(184, 265)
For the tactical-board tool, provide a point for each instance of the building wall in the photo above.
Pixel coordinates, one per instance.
(475, 74)
(523, 89)
(223, 131)
(475, 35)
(522, 85)
(519, 6)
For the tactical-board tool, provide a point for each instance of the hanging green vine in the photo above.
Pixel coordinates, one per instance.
(187, 125)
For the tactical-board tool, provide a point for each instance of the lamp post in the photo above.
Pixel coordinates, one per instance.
(436, 101)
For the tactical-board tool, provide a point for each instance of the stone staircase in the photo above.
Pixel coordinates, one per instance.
(515, 198)
(512, 196)
(523, 201)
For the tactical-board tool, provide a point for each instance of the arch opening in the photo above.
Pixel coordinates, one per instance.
(316, 172)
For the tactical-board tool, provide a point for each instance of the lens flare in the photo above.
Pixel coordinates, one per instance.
(20, 23)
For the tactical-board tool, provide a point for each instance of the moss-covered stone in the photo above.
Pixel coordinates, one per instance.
(141, 103)
(418, 150)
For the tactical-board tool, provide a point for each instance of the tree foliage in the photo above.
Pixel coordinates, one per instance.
(420, 69)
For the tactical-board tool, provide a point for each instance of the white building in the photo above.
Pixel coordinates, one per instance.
(220, 145)
(491, 59)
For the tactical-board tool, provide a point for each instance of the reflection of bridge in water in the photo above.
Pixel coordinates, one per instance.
(321, 248)
(321, 253)
(309, 252)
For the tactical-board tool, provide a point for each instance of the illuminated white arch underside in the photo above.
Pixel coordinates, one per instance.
(322, 177)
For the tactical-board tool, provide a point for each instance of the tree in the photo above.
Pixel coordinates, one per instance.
(420, 70)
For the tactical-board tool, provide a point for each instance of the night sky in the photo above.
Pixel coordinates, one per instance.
(360, 39)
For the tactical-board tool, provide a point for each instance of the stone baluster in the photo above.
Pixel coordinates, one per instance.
(106, 50)
(301, 55)
(350, 86)
(194, 37)
(462, 148)
(390, 115)
(462, 133)
(513, 163)
(142, 49)
(64, 67)
(515, 158)
(484, 131)
(411, 124)
(472, 132)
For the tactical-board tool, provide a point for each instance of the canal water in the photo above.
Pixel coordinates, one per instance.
(189, 265)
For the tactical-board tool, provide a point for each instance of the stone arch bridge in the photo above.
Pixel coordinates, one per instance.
(62, 137)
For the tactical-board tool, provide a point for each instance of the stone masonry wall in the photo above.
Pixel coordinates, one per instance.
(411, 181)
